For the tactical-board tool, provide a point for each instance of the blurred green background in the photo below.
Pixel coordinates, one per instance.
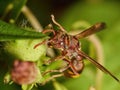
(67, 12)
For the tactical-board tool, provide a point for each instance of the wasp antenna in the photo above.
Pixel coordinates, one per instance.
(56, 23)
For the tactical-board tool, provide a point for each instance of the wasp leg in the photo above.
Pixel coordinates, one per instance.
(54, 59)
(48, 30)
(39, 44)
(51, 78)
(57, 71)
(55, 76)
(72, 66)
(44, 31)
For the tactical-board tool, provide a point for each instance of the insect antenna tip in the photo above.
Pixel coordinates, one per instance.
(56, 23)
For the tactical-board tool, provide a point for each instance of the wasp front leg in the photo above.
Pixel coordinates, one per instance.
(44, 41)
(48, 31)
(51, 78)
(60, 57)
(57, 70)
(60, 72)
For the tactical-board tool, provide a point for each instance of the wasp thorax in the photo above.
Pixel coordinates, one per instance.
(24, 72)
(58, 41)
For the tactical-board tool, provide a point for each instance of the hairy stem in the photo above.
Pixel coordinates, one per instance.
(92, 88)
(36, 25)
(7, 10)
(33, 20)
(98, 47)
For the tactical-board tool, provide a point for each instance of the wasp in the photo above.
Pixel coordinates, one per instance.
(70, 49)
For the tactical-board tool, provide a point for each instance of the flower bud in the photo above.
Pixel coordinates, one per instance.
(24, 72)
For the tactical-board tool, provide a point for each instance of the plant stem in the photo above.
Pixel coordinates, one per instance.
(7, 10)
(92, 88)
(33, 20)
(36, 25)
(98, 47)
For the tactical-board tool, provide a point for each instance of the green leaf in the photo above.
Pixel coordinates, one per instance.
(3, 5)
(10, 9)
(10, 32)
(59, 86)
(17, 6)
(27, 87)
(24, 49)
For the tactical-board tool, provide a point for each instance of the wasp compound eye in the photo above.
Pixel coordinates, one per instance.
(24, 72)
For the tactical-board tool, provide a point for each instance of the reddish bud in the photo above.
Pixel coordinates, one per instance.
(24, 72)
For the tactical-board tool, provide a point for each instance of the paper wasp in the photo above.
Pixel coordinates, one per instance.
(70, 49)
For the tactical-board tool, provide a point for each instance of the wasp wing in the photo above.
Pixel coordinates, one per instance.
(93, 29)
(98, 65)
